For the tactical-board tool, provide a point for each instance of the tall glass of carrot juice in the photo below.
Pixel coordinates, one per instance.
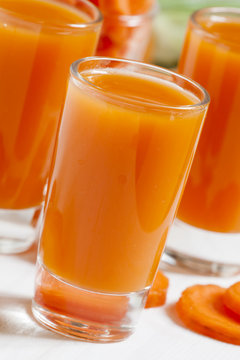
(39, 39)
(211, 202)
(127, 137)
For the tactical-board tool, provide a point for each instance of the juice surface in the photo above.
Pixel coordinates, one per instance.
(225, 32)
(44, 11)
(116, 180)
(212, 197)
(34, 64)
(138, 88)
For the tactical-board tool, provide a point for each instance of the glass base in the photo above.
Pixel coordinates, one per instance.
(18, 229)
(83, 314)
(201, 251)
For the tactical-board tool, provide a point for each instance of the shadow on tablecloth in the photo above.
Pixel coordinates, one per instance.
(29, 255)
(16, 319)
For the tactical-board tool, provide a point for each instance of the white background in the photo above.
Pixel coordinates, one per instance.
(160, 335)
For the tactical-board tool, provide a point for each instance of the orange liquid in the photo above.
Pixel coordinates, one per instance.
(57, 296)
(116, 181)
(212, 196)
(34, 65)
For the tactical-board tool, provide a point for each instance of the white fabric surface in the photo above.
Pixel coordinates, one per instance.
(159, 336)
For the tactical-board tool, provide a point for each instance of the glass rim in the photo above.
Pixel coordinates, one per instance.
(28, 19)
(223, 10)
(201, 104)
(134, 19)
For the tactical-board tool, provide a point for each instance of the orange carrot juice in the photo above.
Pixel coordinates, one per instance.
(116, 180)
(211, 56)
(127, 137)
(38, 40)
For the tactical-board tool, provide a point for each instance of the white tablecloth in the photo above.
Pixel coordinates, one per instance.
(159, 335)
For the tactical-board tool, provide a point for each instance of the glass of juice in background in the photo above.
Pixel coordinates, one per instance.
(207, 236)
(170, 26)
(39, 40)
(127, 137)
(127, 28)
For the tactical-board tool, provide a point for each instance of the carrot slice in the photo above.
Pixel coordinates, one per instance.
(202, 310)
(96, 2)
(141, 6)
(231, 298)
(125, 7)
(115, 7)
(158, 292)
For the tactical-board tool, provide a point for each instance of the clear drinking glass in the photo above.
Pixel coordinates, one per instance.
(39, 40)
(206, 235)
(127, 137)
